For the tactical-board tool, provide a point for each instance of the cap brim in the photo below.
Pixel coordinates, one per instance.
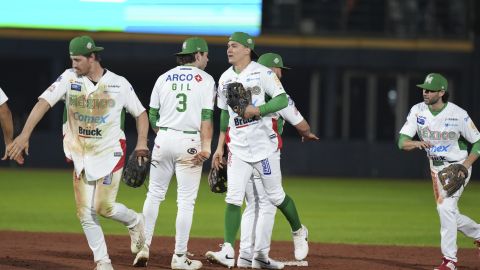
(285, 68)
(427, 87)
(97, 49)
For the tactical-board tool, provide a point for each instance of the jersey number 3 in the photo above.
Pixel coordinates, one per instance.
(182, 102)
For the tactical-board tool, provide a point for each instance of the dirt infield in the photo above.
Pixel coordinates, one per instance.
(70, 251)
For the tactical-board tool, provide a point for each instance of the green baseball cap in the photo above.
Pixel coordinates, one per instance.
(434, 82)
(271, 60)
(244, 39)
(83, 45)
(193, 45)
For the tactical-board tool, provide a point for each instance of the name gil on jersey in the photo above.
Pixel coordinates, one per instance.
(425, 133)
(90, 132)
(179, 77)
(240, 122)
(90, 118)
(90, 103)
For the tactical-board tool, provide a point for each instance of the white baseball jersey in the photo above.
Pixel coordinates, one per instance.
(290, 113)
(252, 140)
(172, 95)
(444, 131)
(3, 97)
(93, 137)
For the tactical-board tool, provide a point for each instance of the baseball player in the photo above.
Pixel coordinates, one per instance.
(444, 130)
(94, 140)
(181, 110)
(259, 214)
(254, 144)
(6, 123)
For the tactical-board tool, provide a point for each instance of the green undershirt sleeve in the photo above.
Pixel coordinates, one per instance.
(402, 139)
(153, 117)
(275, 104)
(207, 114)
(224, 118)
(476, 148)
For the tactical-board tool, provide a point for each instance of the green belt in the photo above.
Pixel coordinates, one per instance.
(186, 132)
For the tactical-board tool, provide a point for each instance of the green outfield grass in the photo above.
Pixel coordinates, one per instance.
(360, 211)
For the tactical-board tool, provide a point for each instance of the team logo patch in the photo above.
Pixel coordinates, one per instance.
(107, 180)
(75, 87)
(256, 90)
(266, 167)
(192, 151)
(198, 78)
(421, 120)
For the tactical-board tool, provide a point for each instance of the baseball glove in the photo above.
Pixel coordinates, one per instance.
(452, 178)
(135, 173)
(217, 180)
(238, 98)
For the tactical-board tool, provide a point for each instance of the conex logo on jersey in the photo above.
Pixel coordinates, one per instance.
(90, 118)
(426, 134)
(439, 148)
(179, 77)
(89, 132)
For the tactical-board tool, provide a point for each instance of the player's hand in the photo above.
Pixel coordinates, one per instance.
(310, 137)
(251, 111)
(423, 145)
(142, 154)
(217, 160)
(20, 160)
(200, 157)
(17, 147)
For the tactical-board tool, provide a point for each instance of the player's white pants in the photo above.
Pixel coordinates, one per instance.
(257, 220)
(98, 197)
(239, 173)
(172, 153)
(451, 219)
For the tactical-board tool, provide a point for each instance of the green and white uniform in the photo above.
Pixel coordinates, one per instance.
(448, 131)
(95, 142)
(180, 95)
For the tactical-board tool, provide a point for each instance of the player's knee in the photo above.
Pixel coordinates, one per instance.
(104, 209)
(276, 198)
(234, 201)
(186, 206)
(156, 196)
(85, 215)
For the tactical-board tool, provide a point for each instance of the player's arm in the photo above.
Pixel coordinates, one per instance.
(406, 143)
(303, 128)
(142, 131)
(473, 156)
(153, 117)
(206, 134)
(6, 123)
(273, 105)
(20, 144)
(218, 155)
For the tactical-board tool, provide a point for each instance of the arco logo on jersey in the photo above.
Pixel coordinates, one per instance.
(427, 134)
(179, 77)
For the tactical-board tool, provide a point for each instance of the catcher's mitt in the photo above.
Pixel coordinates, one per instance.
(217, 180)
(238, 98)
(452, 178)
(135, 174)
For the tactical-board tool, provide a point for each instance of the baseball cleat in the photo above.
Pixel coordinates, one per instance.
(243, 262)
(300, 243)
(137, 235)
(225, 257)
(104, 266)
(141, 260)
(446, 265)
(182, 262)
(261, 262)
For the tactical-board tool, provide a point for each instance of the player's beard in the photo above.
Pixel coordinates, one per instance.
(431, 100)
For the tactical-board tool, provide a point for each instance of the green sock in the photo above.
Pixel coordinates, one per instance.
(232, 223)
(288, 209)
